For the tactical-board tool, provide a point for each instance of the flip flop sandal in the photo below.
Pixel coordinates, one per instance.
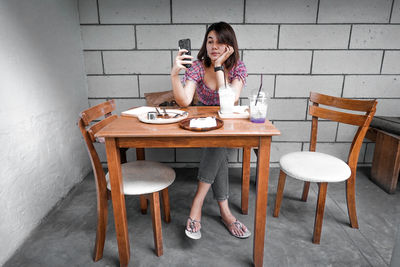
(191, 233)
(239, 226)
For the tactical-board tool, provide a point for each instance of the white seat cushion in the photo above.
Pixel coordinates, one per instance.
(314, 167)
(144, 177)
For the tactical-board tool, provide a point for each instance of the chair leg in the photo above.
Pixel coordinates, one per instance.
(143, 204)
(306, 188)
(156, 220)
(319, 214)
(351, 200)
(166, 206)
(102, 212)
(279, 193)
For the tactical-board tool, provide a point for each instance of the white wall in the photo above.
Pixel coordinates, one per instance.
(346, 48)
(42, 90)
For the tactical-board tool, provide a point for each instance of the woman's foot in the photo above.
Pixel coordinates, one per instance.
(236, 228)
(193, 229)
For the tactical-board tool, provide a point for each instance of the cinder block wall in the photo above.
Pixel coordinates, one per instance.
(346, 48)
(43, 89)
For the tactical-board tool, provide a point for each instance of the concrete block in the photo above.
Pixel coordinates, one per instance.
(372, 86)
(299, 131)
(339, 150)
(256, 36)
(253, 83)
(388, 107)
(137, 62)
(287, 11)
(271, 62)
(375, 37)
(302, 85)
(160, 154)
(154, 83)
(354, 11)
(130, 155)
(113, 86)
(108, 37)
(278, 149)
(101, 151)
(121, 104)
(134, 12)
(233, 155)
(292, 131)
(396, 12)
(287, 109)
(167, 36)
(346, 132)
(391, 62)
(93, 62)
(207, 11)
(88, 11)
(347, 62)
(369, 152)
(314, 36)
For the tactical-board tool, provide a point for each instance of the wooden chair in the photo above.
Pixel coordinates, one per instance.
(144, 178)
(310, 166)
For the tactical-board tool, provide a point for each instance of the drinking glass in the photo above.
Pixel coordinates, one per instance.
(258, 107)
(226, 99)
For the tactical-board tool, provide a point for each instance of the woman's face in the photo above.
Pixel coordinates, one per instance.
(214, 48)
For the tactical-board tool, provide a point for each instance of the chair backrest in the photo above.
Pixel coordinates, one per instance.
(89, 126)
(367, 107)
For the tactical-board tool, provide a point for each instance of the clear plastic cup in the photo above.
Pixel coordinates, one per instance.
(226, 99)
(258, 107)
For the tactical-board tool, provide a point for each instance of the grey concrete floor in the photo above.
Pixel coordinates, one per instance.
(67, 234)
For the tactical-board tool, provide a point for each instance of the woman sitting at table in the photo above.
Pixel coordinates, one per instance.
(218, 58)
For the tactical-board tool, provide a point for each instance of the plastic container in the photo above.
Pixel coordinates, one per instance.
(258, 106)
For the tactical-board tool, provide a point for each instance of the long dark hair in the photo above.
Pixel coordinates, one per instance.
(225, 35)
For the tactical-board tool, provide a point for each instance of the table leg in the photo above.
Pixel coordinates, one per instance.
(118, 200)
(260, 216)
(245, 179)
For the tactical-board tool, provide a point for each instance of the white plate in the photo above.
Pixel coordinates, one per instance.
(239, 112)
(171, 112)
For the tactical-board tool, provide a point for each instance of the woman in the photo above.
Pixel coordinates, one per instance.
(218, 58)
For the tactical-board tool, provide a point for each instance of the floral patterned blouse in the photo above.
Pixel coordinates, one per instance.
(206, 95)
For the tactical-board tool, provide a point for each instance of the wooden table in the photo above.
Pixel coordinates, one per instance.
(126, 132)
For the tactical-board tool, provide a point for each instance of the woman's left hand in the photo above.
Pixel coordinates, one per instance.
(224, 56)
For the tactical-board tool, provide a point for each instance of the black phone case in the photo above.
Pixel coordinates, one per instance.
(185, 44)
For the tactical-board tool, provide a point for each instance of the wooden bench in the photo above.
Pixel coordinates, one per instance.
(385, 132)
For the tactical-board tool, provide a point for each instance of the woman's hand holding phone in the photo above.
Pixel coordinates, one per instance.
(180, 61)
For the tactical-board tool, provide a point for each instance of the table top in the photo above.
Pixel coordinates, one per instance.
(132, 127)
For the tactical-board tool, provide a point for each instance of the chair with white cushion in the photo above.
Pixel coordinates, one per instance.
(311, 166)
(142, 177)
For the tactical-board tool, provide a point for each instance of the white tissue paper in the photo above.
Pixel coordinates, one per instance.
(135, 112)
(203, 122)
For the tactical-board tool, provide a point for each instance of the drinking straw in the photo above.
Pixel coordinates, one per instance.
(259, 90)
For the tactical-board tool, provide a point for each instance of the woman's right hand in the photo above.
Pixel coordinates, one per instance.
(179, 61)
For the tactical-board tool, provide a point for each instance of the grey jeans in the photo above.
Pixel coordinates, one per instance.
(213, 170)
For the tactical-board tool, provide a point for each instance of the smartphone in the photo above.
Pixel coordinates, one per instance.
(185, 44)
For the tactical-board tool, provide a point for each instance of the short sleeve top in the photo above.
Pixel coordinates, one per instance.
(206, 95)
